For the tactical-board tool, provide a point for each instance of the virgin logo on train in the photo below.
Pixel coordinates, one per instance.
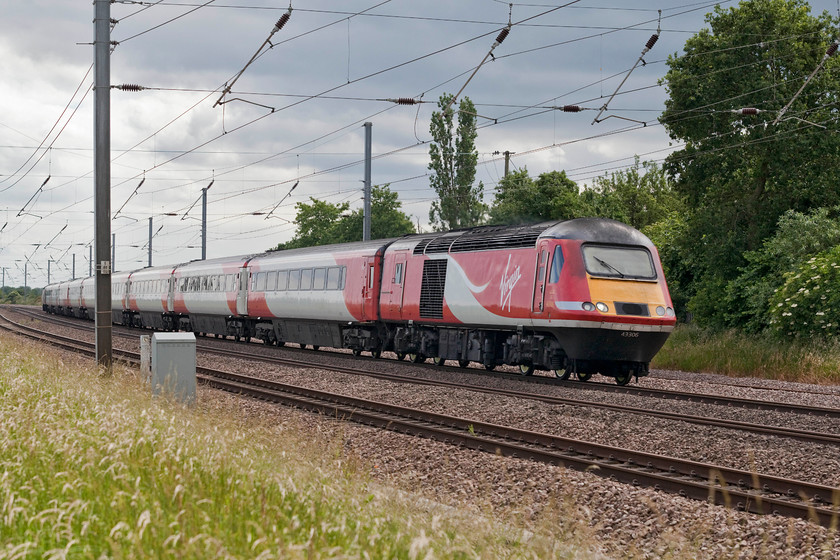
(507, 284)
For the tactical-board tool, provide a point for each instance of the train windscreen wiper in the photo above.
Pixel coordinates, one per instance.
(611, 267)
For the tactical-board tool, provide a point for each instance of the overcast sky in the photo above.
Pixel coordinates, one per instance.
(296, 114)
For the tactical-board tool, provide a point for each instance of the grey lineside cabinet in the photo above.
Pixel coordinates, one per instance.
(173, 365)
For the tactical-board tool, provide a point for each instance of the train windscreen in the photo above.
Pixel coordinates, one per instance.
(619, 262)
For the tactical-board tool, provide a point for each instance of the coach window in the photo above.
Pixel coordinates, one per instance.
(306, 279)
(294, 279)
(271, 281)
(260, 282)
(282, 280)
(333, 277)
(556, 265)
(370, 277)
(319, 279)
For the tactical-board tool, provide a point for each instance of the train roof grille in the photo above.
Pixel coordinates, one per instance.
(486, 241)
(484, 238)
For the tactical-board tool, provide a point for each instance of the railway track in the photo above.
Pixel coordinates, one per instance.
(778, 431)
(285, 360)
(742, 490)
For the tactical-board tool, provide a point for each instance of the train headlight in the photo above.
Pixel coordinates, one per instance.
(669, 312)
(588, 306)
(602, 307)
(660, 310)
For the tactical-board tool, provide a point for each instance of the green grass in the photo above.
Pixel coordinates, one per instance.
(93, 467)
(736, 354)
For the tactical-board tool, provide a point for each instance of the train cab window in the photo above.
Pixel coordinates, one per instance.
(333, 278)
(306, 279)
(619, 262)
(282, 280)
(294, 279)
(319, 279)
(543, 262)
(271, 281)
(398, 273)
(556, 265)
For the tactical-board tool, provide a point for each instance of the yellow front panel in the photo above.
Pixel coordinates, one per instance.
(630, 291)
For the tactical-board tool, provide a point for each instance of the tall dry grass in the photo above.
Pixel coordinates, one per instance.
(690, 348)
(94, 467)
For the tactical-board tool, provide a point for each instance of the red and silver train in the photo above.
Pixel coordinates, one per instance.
(581, 296)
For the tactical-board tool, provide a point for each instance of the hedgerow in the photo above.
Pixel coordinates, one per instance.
(809, 302)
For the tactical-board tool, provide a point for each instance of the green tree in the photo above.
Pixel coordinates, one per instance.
(676, 253)
(808, 304)
(316, 223)
(638, 196)
(798, 238)
(520, 199)
(324, 223)
(387, 218)
(740, 173)
(453, 164)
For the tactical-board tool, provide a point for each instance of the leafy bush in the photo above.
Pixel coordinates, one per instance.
(798, 237)
(808, 303)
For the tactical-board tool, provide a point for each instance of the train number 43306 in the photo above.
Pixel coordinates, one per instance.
(630, 334)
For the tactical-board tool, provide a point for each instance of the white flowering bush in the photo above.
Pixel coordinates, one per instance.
(808, 305)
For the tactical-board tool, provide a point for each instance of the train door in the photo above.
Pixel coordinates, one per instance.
(170, 294)
(369, 290)
(397, 280)
(244, 277)
(539, 281)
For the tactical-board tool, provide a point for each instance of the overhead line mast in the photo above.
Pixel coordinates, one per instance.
(102, 181)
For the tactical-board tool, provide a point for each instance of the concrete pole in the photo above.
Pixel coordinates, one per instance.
(74, 266)
(102, 179)
(150, 240)
(90, 261)
(366, 222)
(113, 251)
(507, 162)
